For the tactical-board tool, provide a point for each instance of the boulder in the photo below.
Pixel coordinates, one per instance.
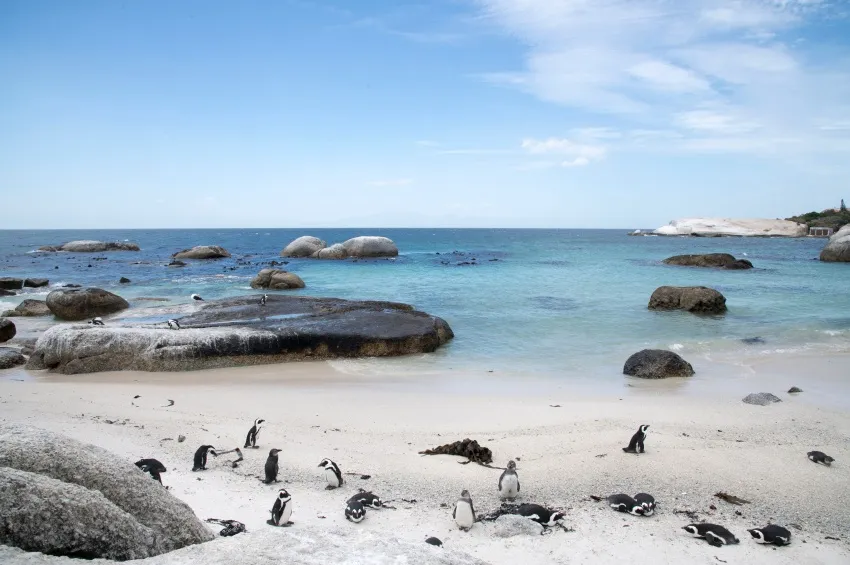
(10, 283)
(7, 330)
(696, 299)
(238, 331)
(740, 227)
(119, 481)
(83, 303)
(838, 247)
(123, 280)
(335, 251)
(275, 279)
(202, 252)
(36, 283)
(761, 398)
(304, 246)
(370, 246)
(4, 292)
(10, 358)
(91, 246)
(511, 525)
(657, 364)
(49, 516)
(720, 260)
(29, 307)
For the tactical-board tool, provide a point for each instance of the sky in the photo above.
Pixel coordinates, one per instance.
(446, 113)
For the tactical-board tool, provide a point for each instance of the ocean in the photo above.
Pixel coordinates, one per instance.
(553, 303)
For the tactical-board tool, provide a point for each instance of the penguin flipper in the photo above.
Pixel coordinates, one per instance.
(454, 512)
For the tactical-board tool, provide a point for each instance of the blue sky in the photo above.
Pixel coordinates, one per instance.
(513, 113)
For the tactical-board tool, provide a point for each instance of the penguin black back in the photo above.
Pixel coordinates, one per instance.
(820, 457)
(636, 443)
(200, 460)
(625, 503)
(771, 534)
(647, 501)
(151, 466)
(714, 534)
(272, 466)
(367, 498)
(540, 514)
(434, 541)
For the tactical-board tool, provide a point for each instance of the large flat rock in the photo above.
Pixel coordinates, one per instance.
(239, 331)
(91, 246)
(738, 227)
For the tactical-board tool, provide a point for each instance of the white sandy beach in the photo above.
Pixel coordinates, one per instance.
(696, 447)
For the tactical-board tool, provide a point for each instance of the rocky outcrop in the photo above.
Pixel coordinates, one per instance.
(119, 482)
(717, 227)
(512, 525)
(239, 331)
(36, 283)
(838, 247)
(335, 251)
(91, 246)
(718, 260)
(10, 358)
(49, 516)
(696, 299)
(202, 252)
(10, 283)
(370, 246)
(657, 364)
(304, 246)
(7, 330)
(83, 303)
(29, 307)
(4, 292)
(761, 398)
(275, 279)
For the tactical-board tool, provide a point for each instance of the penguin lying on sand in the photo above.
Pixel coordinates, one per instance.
(96, 322)
(332, 474)
(151, 466)
(625, 503)
(434, 541)
(712, 533)
(820, 457)
(543, 516)
(464, 512)
(254, 433)
(647, 501)
(771, 534)
(200, 461)
(367, 499)
(636, 443)
(509, 482)
(354, 511)
(282, 509)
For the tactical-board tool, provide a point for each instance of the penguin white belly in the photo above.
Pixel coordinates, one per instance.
(286, 514)
(510, 486)
(331, 477)
(464, 517)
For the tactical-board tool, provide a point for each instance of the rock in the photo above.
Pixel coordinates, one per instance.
(30, 307)
(10, 358)
(36, 283)
(276, 279)
(202, 252)
(304, 246)
(753, 340)
(656, 364)
(83, 303)
(721, 260)
(794, 389)
(123, 280)
(238, 331)
(696, 299)
(838, 247)
(748, 227)
(72, 285)
(4, 292)
(176, 263)
(370, 246)
(761, 398)
(91, 246)
(7, 330)
(510, 525)
(335, 251)
(181, 438)
(82, 523)
(9, 283)
(61, 458)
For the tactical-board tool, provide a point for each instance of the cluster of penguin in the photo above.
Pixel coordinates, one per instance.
(464, 515)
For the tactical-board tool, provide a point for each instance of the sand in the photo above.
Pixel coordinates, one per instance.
(567, 446)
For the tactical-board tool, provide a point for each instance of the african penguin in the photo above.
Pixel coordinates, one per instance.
(820, 457)
(354, 511)
(254, 433)
(464, 512)
(625, 503)
(332, 474)
(367, 499)
(636, 443)
(264, 299)
(173, 324)
(777, 535)
(201, 457)
(715, 535)
(541, 515)
(434, 541)
(151, 466)
(647, 501)
(272, 467)
(509, 482)
(96, 322)
(196, 297)
(282, 509)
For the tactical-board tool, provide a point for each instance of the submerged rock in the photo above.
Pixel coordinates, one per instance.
(7, 330)
(761, 398)
(696, 299)
(83, 303)
(718, 260)
(304, 246)
(657, 364)
(10, 358)
(275, 279)
(175, 263)
(239, 331)
(91, 246)
(36, 283)
(29, 307)
(838, 247)
(370, 246)
(202, 252)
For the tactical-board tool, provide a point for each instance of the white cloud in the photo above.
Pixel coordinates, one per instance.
(714, 122)
(391, 182)
(667, 77)
(575, 154)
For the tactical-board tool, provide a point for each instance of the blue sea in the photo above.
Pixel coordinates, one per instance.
(533, 302)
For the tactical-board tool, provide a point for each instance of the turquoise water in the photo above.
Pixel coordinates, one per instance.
(554, 302)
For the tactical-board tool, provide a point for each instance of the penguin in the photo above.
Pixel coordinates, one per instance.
(625, 503)
(332, 474)
(272, 467)
(196, 297)
(96, 322)
(434, 541)
(636, 443)
(647, 501)
(282, 509)
(263, 300)
(715, 535)
(777, 535)
(367, 499)
(173, 324)
(820, 457)
(254, 433)
(151, 466)
(464, 512)
(509, 482)
(541, 515)
(354, 511)
(201, 457)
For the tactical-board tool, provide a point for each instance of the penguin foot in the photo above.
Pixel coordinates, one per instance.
(287, 524)
(254, 446)
(627, 450)
(271, 523)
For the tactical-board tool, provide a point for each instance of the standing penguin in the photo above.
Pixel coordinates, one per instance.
(354, 511)
(715, 535)
(636, 443)
(254, 433)
(771, 534)
(200, 462)
(820, 457)
(509, 482)
(332, 474)
(647, 501)
(282, 509)
(625, 503)
(264, 299)
(464, 512)
(151, 466)
(272, 467)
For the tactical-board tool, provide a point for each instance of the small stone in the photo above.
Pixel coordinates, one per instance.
(181, 438)
(123, 280)
(794, 389)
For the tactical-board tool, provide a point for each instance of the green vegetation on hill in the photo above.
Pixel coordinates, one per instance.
(827, 219)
